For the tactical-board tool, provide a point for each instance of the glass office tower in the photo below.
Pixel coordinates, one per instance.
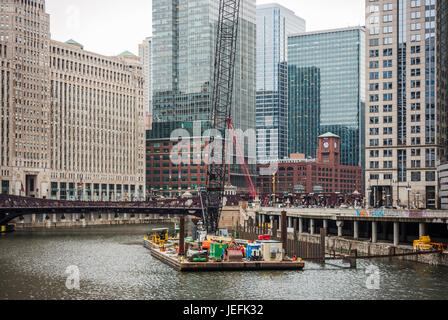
(327, 91)
(183, 49)
(274, 24)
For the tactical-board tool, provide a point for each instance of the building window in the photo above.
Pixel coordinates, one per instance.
(416, 176)
(430, 176)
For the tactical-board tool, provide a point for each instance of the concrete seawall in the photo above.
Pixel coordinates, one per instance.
(343, 246)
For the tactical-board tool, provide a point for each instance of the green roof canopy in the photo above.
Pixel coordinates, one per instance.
(329, 135)
(71, 41)
(127, 53)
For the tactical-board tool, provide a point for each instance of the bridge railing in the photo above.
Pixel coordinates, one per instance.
(376, 213)
(12, 201)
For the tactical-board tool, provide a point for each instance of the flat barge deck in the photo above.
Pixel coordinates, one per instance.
(172, 261)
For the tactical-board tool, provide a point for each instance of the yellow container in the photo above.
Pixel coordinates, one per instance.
(3, 228)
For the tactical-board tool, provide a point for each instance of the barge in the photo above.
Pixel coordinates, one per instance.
(182, 265)
(213, 253)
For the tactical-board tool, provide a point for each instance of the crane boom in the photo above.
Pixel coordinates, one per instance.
(240, 155)
(224, 70)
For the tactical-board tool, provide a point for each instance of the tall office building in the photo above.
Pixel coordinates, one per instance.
(274, 24)
(72, 121)
(183, 49)
(97, 120)
(145, 56)
(401, 116)
(327, 91)
(25, 96)
(442, 97)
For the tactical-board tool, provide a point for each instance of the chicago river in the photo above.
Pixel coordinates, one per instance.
(113, 264)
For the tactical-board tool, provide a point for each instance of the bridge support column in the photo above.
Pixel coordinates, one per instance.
(55, 219)
(340, 224)
(289, 222)
(422, 229)
(326, 227)
(300, 225)
(374, 232)
(92, 217)
(403, 237)
(33, 218)
(312, 226)
(356, 230)
(396, 234)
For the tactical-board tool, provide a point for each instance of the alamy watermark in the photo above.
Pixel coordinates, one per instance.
(373, 277)
(72, 282)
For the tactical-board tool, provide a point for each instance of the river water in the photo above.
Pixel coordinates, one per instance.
(113, 264)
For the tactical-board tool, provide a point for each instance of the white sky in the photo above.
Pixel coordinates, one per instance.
(110, 27)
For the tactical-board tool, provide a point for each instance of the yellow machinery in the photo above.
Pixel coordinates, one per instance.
(265, 225)
(159, 236)
(425, 244)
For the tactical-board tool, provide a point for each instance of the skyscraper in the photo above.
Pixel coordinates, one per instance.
(274, 24)
(327, 91)
(183, 49)
(442, 97)
(402, 146)
(146, 59)
(72, 123)
(97, 134)
(25, 97)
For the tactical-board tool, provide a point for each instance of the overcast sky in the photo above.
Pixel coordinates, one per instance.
(110, 27)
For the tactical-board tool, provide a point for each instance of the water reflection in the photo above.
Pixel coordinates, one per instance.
(114, 265)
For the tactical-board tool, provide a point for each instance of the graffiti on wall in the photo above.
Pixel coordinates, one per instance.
(382, 213)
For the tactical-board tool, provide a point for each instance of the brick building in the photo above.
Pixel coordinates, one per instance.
(166, 178)
(324, 174)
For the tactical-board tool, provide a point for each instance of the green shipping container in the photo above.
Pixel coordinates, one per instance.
(217, 250)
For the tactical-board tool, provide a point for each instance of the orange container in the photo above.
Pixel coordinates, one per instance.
(206, 244)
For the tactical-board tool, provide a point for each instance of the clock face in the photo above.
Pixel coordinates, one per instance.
(326, 145)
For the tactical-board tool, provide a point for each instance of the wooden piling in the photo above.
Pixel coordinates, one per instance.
(182, 236)
(284, 231)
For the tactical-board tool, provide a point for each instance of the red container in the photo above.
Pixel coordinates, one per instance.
(265, 237)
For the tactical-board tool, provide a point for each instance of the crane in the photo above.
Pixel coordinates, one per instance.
(224, 70)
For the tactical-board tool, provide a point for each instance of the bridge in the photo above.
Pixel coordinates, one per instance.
(12, 207)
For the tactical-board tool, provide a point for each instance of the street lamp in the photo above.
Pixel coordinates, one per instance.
(418, 194)
(409, 188)
(369, 195)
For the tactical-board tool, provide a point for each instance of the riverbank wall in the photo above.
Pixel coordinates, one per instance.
(340, 245)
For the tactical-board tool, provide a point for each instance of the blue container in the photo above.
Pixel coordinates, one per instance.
(250, 248)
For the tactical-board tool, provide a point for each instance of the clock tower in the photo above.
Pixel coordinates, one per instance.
(329, 149)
